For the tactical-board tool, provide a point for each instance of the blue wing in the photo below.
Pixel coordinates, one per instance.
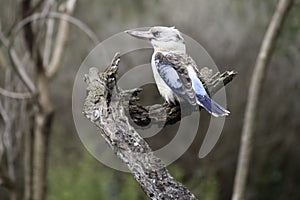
(204, 100)
(185, 82)
(176, 77)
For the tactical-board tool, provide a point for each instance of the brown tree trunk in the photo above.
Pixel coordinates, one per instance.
(43, 122)
(42, 116)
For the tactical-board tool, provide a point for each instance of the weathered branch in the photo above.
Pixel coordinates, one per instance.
(254, 94)
(106, 106)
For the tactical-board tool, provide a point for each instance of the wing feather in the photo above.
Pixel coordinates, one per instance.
(173, 70)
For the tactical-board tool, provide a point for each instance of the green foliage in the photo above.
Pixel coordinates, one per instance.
(209, 188)
(129, 189)
(84, 178)
(177, 172)
(205, 186)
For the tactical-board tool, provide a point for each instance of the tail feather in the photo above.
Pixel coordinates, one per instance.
(211, 106)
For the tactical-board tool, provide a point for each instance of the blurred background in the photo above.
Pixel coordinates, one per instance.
(232, 32)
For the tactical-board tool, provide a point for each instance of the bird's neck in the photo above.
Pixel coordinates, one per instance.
(169, 47)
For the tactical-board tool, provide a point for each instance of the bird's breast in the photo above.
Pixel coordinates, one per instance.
(164, 90)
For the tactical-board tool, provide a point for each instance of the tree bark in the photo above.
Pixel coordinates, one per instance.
(254, 93)
(105, 106)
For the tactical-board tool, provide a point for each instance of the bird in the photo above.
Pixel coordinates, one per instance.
(175, 72)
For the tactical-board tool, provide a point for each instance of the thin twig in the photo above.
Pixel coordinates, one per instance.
(3, 39)
(17, 64)
(15, 95)
(56, 15)
(48, 41)
(19, 69)
(49, 5)
(1, 138)
(3, 62)
(61, 38)
(254, 94)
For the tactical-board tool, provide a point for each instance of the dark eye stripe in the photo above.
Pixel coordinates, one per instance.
(156, 33)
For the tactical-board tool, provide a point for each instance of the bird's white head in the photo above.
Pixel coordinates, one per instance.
(163, 39)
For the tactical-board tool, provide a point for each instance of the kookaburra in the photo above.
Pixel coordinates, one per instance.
(175, 72)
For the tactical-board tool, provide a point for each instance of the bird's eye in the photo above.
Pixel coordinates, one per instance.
(156, 33)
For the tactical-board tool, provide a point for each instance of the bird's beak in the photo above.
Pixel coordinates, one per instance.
(146, 35)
